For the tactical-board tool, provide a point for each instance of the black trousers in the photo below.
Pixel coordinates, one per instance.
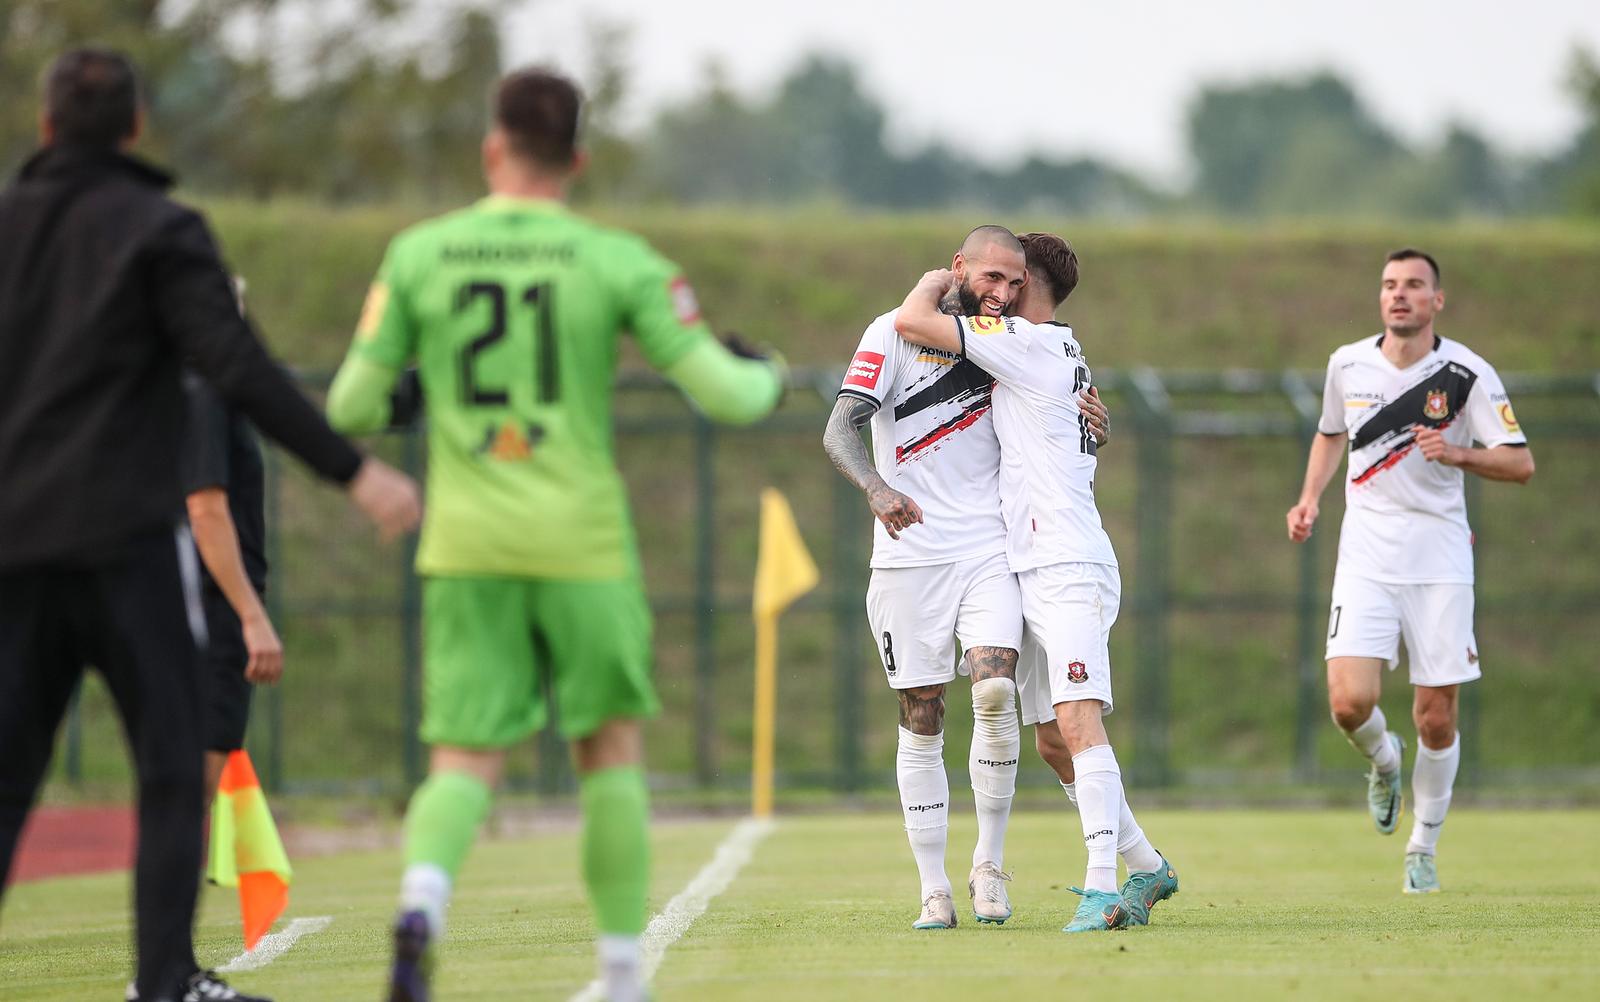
(130, 616)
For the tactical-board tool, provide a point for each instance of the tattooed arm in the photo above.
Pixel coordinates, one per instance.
(842, 440)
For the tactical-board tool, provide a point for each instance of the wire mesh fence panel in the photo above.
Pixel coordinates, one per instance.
(1217, 651)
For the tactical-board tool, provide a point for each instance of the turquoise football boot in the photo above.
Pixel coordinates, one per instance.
(1141, 891)
(1422, 874)
(1384, 799)
(1099, 911)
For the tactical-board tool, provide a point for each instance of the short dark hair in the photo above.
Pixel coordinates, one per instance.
(1051, 260)
(1410, 254)
(91, 98)
(539, 112)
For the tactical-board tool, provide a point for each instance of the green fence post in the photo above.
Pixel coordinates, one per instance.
(411, 629)
(552, 751)
(1309, 667)
(705, 599)
(847, 615)
(1152, 515)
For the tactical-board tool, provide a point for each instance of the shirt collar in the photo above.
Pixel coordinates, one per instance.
(62, 160)
(513, 203)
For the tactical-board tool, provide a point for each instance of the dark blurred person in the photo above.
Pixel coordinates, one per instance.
(105, 286)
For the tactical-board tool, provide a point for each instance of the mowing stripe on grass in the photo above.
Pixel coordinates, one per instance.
(276, 944)
(691, 902)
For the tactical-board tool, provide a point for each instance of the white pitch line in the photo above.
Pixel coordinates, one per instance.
(691, 902)
(276, 944)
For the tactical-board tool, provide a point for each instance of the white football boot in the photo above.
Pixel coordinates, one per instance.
(987, 886)
(938, 912)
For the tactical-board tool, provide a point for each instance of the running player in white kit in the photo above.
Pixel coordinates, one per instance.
(1065, 567)
(1410, 403)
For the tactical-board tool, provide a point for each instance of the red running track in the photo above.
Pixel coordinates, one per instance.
(62, 841)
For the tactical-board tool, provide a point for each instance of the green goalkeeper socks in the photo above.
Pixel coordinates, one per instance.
(616, 847)
(443, 820)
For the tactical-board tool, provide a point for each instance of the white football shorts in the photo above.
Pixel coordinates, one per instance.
(917, 614)
(1368, 619)
(1069, 609)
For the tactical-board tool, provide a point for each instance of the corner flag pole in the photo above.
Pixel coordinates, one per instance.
(784, 572)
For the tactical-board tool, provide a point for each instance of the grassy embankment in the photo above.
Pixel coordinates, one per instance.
(1184, 297)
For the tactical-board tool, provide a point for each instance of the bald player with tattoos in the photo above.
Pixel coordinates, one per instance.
(939, 570)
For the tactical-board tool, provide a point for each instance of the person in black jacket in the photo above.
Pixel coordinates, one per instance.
(106, 285)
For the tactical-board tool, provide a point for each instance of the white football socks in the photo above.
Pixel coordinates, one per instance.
(925, 799)
(1132, 845)
(992, 764)
(621, 967)
(425, 888)
(1433, 779)
(1368, 739)
(1099, 785)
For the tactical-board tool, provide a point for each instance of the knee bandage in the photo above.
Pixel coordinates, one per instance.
(996, 738)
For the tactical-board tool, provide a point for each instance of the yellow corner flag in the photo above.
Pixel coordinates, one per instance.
(245, 849)
(784, 572)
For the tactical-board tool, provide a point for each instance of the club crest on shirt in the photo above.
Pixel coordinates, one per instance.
(1077, 671)
(1437, 405)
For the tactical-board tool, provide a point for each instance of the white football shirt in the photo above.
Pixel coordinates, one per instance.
(1047, 453)
(1405, 518)
(933, 440)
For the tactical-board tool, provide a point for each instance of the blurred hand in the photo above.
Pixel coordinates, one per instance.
(1431, 443)
(388, 497)
(265, 666)
(894, 510)
(1301, 518)
(744, 349)
(1096, 415)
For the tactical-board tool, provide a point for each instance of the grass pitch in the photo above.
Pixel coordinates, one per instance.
(1300, 905)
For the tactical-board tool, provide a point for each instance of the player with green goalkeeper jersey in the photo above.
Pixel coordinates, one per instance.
(513, 311)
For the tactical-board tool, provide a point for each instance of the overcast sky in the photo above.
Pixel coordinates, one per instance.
(1114, 79)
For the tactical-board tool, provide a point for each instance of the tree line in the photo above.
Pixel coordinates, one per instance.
(387, 100)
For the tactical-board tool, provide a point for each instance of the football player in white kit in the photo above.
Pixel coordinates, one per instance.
(1410, 403)
(939, 568)
(1065, 567)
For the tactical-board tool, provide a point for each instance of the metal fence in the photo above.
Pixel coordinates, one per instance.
(1218, 653)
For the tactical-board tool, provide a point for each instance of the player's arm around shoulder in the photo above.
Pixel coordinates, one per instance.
(919, 319)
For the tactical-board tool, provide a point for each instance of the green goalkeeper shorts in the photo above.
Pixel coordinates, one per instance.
(494, 649)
